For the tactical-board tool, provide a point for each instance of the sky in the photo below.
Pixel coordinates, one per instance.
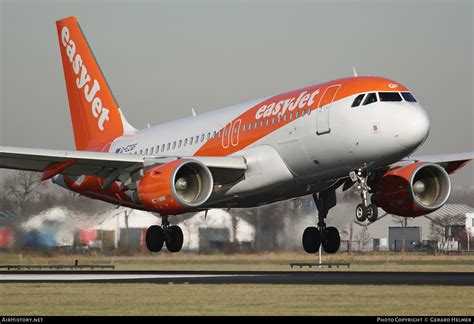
(162, 58)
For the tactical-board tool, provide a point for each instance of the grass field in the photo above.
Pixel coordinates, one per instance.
(148, 299)
(257, 262)
(152, 299)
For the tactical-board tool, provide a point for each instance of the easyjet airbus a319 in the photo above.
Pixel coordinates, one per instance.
(311, 141)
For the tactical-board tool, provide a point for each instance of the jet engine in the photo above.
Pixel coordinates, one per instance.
(175, 187)
(413, 190)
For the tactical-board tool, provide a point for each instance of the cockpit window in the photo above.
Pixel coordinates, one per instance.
(358, 100)
(408, 97)
(371, 98)
(389, 96)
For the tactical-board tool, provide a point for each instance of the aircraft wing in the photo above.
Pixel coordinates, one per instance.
(100, 164)
(451, 162)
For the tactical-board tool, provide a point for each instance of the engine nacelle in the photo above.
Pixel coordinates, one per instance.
(175, 187)
(413, 190)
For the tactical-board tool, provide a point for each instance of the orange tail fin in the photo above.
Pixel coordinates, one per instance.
(96, 117)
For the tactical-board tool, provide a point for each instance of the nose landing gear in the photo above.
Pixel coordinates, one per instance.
(364, 210)
(172, 236)
(328, 237)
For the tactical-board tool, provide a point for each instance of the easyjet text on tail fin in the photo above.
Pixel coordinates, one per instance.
(95, 115)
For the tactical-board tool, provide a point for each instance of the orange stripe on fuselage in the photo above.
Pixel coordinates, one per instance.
(280, 105)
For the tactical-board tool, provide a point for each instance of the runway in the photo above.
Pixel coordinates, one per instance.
(251, 277)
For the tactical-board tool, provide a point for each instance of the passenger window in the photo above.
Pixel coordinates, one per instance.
(141, 152)
(185, 141)
(243, 127)
(214, 134)
(273, 120)
(174, 145)
(268, 120)
(371, 98)
(168, 147)
(250, 126)
(304, 112)
(408, 97)
(358, 100)
(163, 148)
(151, 150)
(279, 118)
(208, 136)
(291, 116)
(389, 96)
(202, 137)
(179, 143)
(309, 111)
(261, 123)
(219, 134)
(284, 117)
(197, 139)
(191, 140)
(256, 124)
(297, 114)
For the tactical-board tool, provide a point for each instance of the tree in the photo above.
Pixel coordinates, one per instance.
(403, 221)
(351, 234)
(364, 238)
(21, 188)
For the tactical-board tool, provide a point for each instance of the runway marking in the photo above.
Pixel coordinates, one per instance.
(258, 277)
(75, 277)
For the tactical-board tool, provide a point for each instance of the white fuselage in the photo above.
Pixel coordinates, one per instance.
(301, 155)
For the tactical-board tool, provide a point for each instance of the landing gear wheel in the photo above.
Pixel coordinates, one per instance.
(174, 241)
(311, 239)
(331, 240)
(361, 212)
(372, 213)
(155, 237)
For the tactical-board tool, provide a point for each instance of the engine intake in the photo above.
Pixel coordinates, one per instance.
(175, 187)
(414, 190)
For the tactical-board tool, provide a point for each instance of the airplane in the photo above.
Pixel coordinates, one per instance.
(359, 130)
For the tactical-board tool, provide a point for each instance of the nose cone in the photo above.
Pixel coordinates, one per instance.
(413, 128)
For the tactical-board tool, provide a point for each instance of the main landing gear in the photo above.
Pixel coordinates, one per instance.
(328, 237)
(172, 236)
(364, 210)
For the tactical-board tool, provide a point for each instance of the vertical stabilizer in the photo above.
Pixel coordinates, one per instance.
(96, 117)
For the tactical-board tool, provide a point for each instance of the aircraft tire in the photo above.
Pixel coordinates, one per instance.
(331, 240)
(311, 239)
(361, 213)
(155, 237)
(174, 242)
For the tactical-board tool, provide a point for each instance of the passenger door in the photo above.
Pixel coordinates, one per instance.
(324, 108)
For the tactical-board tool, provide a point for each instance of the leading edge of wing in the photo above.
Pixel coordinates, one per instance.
(47, 155)
(451, 162)
(440, 158)
(34, 159)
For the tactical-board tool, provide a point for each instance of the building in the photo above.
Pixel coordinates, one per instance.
(445, 229)
(217, 231)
